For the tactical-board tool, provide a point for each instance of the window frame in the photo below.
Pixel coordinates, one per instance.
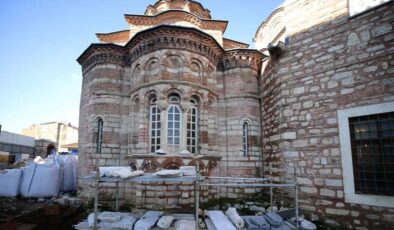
(346, 154)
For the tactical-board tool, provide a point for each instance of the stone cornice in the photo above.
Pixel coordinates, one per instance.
(114, 37)
(176, 15)
(242, 58)
(169, 82)
(174, 37)
(103, 54)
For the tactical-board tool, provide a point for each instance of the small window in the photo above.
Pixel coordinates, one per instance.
(99, 139)
(245, 138)
(372, 144)
(173, 99)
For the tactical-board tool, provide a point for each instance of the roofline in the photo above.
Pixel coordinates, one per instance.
(186, 12)
(150, 5)
(115, 32)
(236, 41)
(97, 45)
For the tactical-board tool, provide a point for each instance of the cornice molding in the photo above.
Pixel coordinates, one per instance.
(243, 58)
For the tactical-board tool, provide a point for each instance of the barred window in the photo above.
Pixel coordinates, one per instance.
(99, 137)
(245, 138)
(372, 143)
(155, 126)
(192, 128)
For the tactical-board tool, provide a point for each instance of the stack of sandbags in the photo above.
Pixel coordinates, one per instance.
(233, 215)
(9, 182)
(119, 171)
(42, 180)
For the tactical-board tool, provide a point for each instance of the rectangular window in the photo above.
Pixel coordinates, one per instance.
(366, 141)
(192, 123)
(372, 145)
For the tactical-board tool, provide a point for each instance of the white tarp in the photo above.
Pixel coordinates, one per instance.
(9, 182)
(165, 222)
(185, 225)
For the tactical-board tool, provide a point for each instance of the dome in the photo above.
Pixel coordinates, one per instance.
(184, 5)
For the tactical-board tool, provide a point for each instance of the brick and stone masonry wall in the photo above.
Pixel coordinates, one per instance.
(331, 62)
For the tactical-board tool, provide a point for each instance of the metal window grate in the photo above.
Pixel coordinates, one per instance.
(192, 130)
(155, 127)
(245, 138)
(372, 140)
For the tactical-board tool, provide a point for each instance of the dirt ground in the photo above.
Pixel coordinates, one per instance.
(26, 214)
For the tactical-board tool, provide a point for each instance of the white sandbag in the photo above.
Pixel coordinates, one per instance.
(147, 221)
(126, 223)
(220, 221)
(234, 217)
(168, 173)
(122, 172)
(69, 179)
(109, 217)
(185, 225)
(41, 180)
(109, 171)
(9, 182)
(165, 222)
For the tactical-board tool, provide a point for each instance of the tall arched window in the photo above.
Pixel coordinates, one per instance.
(154, 126)
(99, 135)
(174, 122)
(245, 138)
(192, 128)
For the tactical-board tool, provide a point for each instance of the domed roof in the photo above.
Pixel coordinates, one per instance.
(184, 5)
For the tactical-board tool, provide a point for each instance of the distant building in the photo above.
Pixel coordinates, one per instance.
(59, 132)
(15, 146)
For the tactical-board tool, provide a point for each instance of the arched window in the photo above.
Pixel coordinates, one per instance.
(154, 126)
(192, 128)
(245, 138)
(99, 135)
(174, 121)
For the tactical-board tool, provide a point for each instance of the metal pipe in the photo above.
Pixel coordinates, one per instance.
(249, 185)
(238, 178)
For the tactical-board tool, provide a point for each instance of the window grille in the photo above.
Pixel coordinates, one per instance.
(155, 126)
(192, 128)
(245, 138)
(173, 125)
(100, 124)
(372, 142)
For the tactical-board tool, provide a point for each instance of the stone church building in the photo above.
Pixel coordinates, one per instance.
(317, 95)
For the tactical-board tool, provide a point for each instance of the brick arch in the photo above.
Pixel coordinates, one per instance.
(152, 67)
(172, 163)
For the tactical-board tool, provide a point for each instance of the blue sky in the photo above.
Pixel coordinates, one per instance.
(40, 81)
